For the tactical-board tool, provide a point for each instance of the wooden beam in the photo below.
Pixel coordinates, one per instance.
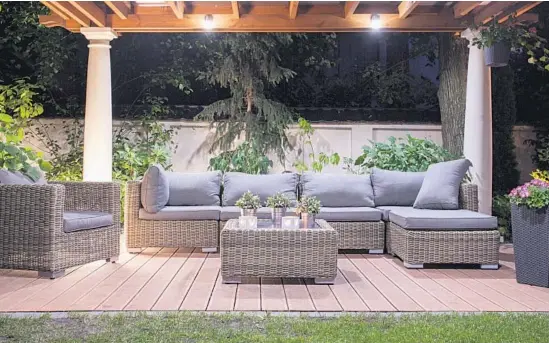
(178, 8)
(72, 12)
(119, 8)
(405, 8)
(294, 5)
(55, 10)
(236, 10)
(51, 20)
(462, 8)
(520, 10)
(91, 11)
(350, 8)
(494, 9)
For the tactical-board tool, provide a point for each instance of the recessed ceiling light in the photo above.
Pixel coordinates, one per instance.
(375, 21)
(208, 22)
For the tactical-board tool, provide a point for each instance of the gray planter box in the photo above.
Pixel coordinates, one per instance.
(497, 55)
(531, 244)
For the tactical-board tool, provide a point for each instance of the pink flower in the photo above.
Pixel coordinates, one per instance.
(533, 30)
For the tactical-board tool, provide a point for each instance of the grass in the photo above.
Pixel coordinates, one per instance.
(188, 327)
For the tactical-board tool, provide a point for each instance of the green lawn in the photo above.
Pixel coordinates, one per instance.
(184, 327)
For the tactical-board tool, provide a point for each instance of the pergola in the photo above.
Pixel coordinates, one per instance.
(102, 21)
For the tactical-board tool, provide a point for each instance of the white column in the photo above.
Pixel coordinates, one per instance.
(477, 142)
(98, 116)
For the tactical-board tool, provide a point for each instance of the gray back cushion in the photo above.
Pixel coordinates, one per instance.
(395, 188)
(194, 189)
(154, 189)
(339, 190)
(236, 184)
(440, 188)
(17, 178)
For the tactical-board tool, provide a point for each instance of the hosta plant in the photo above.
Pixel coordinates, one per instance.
(249, 201)
(278, 200)
(533, 194)
(308, 204)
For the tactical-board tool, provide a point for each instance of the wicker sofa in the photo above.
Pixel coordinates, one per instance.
(348, 205)
(52, 227)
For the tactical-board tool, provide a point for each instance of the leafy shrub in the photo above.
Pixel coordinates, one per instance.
(17, 109)
(246, 158)
(308, 204)
(318, 161)
(501, 208)
(410, 154)
(278, 200)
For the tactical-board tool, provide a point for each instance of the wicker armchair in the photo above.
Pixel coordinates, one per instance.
(32, 235)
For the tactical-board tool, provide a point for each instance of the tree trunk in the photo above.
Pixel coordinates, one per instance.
(453, 56)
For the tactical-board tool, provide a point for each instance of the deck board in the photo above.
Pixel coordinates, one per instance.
(187, 279)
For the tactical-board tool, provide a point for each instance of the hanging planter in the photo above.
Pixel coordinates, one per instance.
(530, 221)
(497, 55)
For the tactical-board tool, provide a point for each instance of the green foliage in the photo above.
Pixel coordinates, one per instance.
(495, 33)
(410, 154)
(278, 200)
(318, 161)
(17, 109)
(247, 64)
(246, 158)
(533, 194)
(248, 201)
(505, 172)
(308, 204)
(501, 208)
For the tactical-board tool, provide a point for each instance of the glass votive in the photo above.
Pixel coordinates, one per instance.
(247, 222)
(290, 222)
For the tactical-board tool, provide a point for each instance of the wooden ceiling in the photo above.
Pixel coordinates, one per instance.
(281, 16)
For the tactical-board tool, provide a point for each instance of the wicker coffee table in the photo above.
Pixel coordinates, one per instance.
(275, 252)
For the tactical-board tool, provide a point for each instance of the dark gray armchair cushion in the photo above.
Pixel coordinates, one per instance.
(236, 184)
(194, 189)
(154, 189)
(419, 219)
(440, 188)
(86, 220)
(395, 188)
(338, 190)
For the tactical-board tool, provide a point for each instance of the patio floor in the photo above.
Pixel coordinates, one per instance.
(186, 279)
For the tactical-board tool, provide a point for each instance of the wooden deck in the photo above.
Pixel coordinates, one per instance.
(186, 279)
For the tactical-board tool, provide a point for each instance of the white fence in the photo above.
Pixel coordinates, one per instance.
(193, 140)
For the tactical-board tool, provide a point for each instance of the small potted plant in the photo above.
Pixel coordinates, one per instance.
(278, 204)
(496, 40)
(530, 222)
(308, 207)
(248, 203)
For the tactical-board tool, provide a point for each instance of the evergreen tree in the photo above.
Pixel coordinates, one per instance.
(247, 64)
(504, 113)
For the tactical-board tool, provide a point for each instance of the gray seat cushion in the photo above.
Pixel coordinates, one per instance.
(350, 214)
(17, 178)
(339, 190)
(86, 220)
(182, 213)
(440, 188)
(421, 219)
(194, 189)
(236, 184)
(154, 189)
(233, 212)
(385, 210)
(395, 188)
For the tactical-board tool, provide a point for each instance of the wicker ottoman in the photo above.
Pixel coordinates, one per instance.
(276, 252)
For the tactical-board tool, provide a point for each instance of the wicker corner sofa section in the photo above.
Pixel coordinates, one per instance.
(34, 220)
(142, 233)
(446, 245)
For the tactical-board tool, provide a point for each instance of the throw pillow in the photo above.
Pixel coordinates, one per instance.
(154, 189)
(440, 188)
(396, 188)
